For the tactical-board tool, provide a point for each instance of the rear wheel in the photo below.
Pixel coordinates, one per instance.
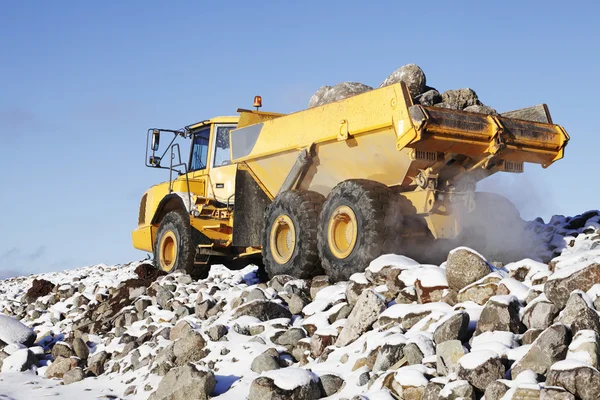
(360, 221)
(174, 248)
(290, 234)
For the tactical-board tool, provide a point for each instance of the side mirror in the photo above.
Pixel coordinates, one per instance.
(155, 139)
(154, 160)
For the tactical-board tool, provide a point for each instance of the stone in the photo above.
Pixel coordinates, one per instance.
(81, 349)
(455, 326)
(530, 336)
(74, 375)
(432, 391)
(577, 378)
(202, 307)
(62, 349)
(264, 310)
(185, 382)
(318, 283)
(585, 347)
(501, 313)
(460, 99)
(429, 98)
(190, 348)
(413, 354)
(480, 368)
(540, 314)
(354, 289)
(341, 91)
(481, 109)
(578, 315)
(180, 330)
(217, 332)
(447, 355)
(330, 384)
(479, 292)
(412, 75)
(19, 361)
(558, 288)
(319, 342)
(14, 331)
(495, 390)
(455, 390)
(550, 347)
(296, 303)
(464, 267)
(555, 393)
(39, 288)
(278, 282)
(266, 388)
(363, 315)
(59, 367)
(96, 363)
(388, 355)
(267, 361)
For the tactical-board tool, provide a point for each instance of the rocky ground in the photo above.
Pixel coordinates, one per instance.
(466, 329)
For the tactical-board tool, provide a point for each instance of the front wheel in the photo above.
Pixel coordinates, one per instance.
(174, 248)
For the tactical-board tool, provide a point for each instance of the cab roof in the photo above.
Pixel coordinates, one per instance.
(215, 120)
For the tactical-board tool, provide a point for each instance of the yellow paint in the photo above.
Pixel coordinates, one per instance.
(283, 239)
(167, 254)
(342, 232)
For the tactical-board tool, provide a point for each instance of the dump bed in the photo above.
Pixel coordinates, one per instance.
(375, 136)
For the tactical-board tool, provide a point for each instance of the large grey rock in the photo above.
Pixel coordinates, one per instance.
(217, 332)
(465, 267)
(59, 367)
(447, 355)
(429, 98)
(550, 347)
(460, 99)
(267, 361)
(578, 315)
(495, 390)
(363, 315)
(413, 354)
(289, 384)
(388, 355)
(501, 313)
(291, 337)
(540, 315)
(412, 75)
(338, 92)
(555, 393)
(264, 310)
(19, 361)
(481, 291)
(480, 368)
(74, 375)
(190, 348)
(585, 347)
(185, 382)
(432, 391)
(81, 349)
(14, 331)
(455, 390)
(481, 109)
(330, 384)
(180, 329)
(455, 327)
(558, 288)
(96, 363)
(578, 378)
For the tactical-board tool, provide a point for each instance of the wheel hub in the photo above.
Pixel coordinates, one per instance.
(342, 231)
(283, 239)
(168, 251)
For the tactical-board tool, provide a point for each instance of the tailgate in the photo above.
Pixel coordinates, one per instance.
(475, 135)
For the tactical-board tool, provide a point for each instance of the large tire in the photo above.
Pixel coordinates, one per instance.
(289, 244)
(174, 247)
(375, 226)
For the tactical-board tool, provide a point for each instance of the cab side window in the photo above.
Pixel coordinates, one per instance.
(222, 155)
(199, 155)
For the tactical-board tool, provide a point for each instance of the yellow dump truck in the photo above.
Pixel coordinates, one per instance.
(332, 187)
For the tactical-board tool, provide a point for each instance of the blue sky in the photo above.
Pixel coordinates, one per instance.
(80, 82)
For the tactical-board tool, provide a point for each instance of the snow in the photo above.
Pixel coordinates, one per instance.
(359, 278)
(402, 310)
(16, 361)
(567, 365)
(476, 358)
(432, 277)
(504, 300)
(12, 330)
(407, 376)
(516, 288)
(391, 260)
(290, 378)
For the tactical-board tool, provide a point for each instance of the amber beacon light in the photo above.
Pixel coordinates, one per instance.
(257, 102)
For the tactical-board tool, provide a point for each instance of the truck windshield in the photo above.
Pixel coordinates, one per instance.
(199, 150)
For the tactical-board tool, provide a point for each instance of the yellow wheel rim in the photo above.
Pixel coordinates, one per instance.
(342, 231)
(283, 239)
(168, 251)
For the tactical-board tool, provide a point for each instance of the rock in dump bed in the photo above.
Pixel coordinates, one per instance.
(413, 76)
(400, 330)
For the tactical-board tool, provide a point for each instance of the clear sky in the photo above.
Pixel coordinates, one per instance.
(80, 82)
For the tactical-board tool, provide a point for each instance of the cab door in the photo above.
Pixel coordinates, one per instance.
(199, 163)
(221, 183)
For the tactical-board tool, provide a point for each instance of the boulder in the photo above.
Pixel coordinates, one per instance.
(62, 349)
(585, 347)
(412, 75)
(447, 355)
(190, 348)
(81, 349)
(455, 326)
(481, 109)
(39, 288)
(14, 331)
(464, 267)
(460, 99)
(185, 382)
(341, 91)
(59, 367)
(180, 330)
(363, 315)
(495, 390)
(578, 378)
(432, 391)
(578, 313)
(217, 332)
(555, 393)
(550, 347)
(429, 98)
(330, 384)
(285, 384)
(480, 368)
(264, 310)
(455, 390)
(501, 313)
(559, 286)
(540, 314)
(481, 291)
(388, 355)
(96, 363)
(267, 361)
(19, 361)
(74, 375)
